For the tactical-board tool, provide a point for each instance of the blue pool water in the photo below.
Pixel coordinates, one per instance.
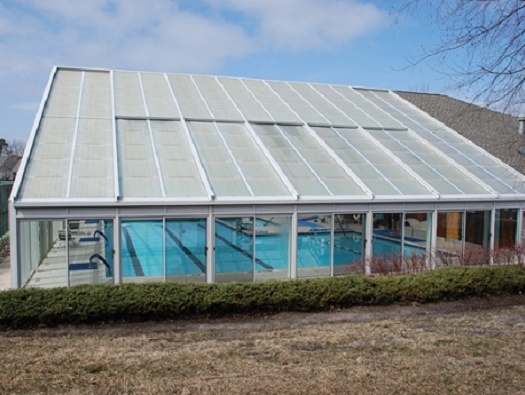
(185, 240)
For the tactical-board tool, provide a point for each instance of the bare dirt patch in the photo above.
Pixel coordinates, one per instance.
(473, 346)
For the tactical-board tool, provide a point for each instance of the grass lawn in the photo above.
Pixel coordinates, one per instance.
(466, 347)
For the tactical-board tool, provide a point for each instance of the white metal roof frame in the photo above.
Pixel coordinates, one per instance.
(374, 102)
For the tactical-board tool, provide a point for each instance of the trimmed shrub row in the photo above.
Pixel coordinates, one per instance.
(162, 301)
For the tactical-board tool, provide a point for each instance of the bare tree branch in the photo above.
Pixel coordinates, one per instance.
(483, 47)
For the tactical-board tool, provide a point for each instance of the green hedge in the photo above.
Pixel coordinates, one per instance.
(160, 301)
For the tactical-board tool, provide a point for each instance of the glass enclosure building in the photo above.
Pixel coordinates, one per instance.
(134, 177)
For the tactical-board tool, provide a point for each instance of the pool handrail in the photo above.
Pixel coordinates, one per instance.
(100, 258)
(101, 234)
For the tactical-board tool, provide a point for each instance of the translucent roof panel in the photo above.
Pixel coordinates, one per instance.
(500, 178)
(434, 168)
(379, 172)
(129, 99)
(402, 110)
(178, 165)
(251, 108)
(96, 95)
(92, 167)
(161, 136)
(332, 114)
(346, 106)
(47, 172)
(64, 95)
(295, 167)
(298, 103)
(463, 152)
(189, 98)
(157, 94)
(138, 177)
(223, 172)
(338, 181)
(380, 116)
(276, 107)
(217, 100)
(259, 173)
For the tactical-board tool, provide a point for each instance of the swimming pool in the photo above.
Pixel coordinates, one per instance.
(237, 250)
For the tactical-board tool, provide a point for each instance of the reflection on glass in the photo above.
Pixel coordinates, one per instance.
(449, 238)
(272, 247)
(348, 243)
(234, 249)
(386, 243)
(90, 252)
(416, 231)
(141, 244)
(505, 236)
(313, 245)
(505, 229)
(186, 250)
(477, 238)
(43, 258)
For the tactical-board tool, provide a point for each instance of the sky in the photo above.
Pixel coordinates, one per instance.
(351, 42)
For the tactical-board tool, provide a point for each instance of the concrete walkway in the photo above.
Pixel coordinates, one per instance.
(5, 274)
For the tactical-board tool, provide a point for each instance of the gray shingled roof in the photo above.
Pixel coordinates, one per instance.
(493, 131)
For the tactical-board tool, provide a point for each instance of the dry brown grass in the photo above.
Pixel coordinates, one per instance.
(455, 348)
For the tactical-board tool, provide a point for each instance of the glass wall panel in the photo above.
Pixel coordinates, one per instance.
(42, 254)
(349, 230)
(234, 249)
(386, 243)
(142, 250)
(90, 252)
(477, 238)
(449, 239)
(272, 247)
(313, 245)
(186, 250)
(505, 236)
(416, 241)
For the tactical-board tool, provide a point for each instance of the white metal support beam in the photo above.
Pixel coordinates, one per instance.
(332, 243)
(75, 135)
(164, 260)
(152, 140)
(433, 223)
(68, 237)
(14, 247)
(519, 231)
(369, 239)
(210, 247)
(492, 242)
(116, 177)
(117, 255)
(294, 232)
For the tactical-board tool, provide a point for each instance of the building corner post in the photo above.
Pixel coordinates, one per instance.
(13, 240)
